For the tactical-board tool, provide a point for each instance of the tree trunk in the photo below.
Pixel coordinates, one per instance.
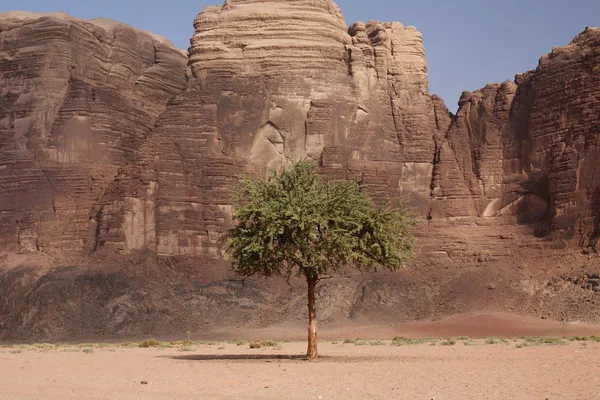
(312, 353)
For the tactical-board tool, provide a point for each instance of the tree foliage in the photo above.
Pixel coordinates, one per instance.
(298, 222)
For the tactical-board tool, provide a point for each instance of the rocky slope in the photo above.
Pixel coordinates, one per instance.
(116, 160)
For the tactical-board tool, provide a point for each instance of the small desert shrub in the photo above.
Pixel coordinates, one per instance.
(255, 345)
(350, 341)
(186, 348)
(88, 351)
(405, 341)
(361, 343)
(240, 342)
(335, 342)
(449, 342)
(538, 341)
(463, 338)
(15, 351)
(531, 341)
(129, 345)
(552, 341)
(495, 340)
(580, 339)
(72, 350)
(43, 346)
(470, 343)
(221, 347)
(528, 344)
(269, 343)
(376, 343)
(149, 343)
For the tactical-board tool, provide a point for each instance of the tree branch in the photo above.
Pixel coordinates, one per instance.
(244, 279)
(325, 278)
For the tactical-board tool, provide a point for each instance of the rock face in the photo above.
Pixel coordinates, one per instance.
(274, 81)
(117, 152)
(77, 100)
(529, 150)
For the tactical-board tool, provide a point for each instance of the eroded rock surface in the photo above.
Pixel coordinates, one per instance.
(77, 100)
(275, 81)
(117, 153)
(529, 150)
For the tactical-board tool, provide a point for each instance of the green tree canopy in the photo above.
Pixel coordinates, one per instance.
(296, 222)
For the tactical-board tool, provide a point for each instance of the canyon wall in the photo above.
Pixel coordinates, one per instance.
(117, 153)
(77, 100)
(529, 149)
(271, 82)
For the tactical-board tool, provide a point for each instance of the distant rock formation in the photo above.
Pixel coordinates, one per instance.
(113, 143)
(530, 149)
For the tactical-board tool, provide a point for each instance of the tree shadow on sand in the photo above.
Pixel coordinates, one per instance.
(268, 358)
(239, 357)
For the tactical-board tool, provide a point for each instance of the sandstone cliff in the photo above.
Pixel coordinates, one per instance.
(117, 153)
(77, 100)
(529, 149)
(274, 81)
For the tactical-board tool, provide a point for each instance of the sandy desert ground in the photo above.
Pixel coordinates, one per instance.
(348, 369)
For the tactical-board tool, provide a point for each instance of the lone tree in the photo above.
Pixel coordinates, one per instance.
(296, 222)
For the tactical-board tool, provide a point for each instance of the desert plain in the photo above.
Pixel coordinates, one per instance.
(118, 151)
(562, 361)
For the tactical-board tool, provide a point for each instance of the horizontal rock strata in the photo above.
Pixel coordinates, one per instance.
(77, 100)
(274, 81)
(118, 151)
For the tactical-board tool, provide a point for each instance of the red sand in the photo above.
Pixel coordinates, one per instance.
(480, 325)
(346, 371)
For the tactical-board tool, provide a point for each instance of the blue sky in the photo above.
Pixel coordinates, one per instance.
(468, 42)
